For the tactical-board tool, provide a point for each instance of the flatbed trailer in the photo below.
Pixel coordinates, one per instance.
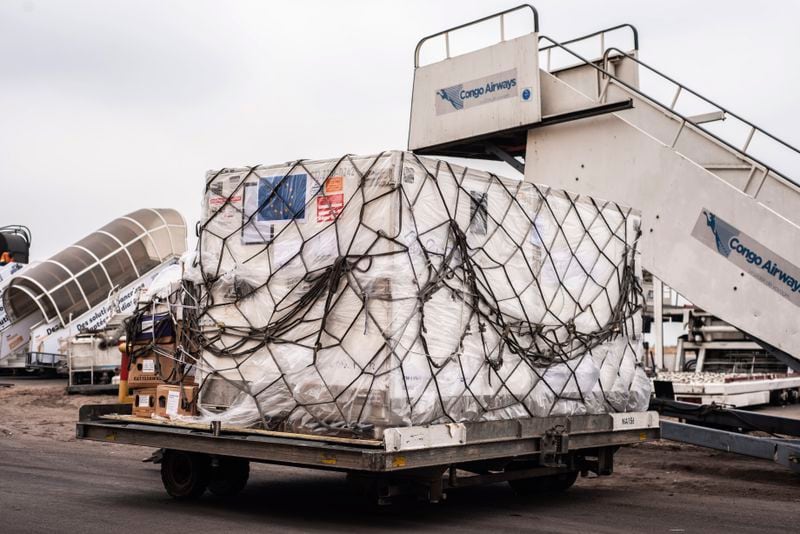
(740, 393)
(531, 454)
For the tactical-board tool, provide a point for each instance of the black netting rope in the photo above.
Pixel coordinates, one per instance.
(461, 267)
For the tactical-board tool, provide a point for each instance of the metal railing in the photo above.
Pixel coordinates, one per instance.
(499, 15)
(608, 78)
(43, 360)
(547, 50)
(681, 89)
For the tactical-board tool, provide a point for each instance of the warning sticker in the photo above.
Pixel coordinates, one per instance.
(328, 207)
(334, 184)
(218, 201)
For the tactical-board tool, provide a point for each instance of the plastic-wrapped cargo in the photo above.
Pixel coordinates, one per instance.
(347, 296)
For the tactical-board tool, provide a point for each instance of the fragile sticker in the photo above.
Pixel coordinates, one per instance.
(329, 207)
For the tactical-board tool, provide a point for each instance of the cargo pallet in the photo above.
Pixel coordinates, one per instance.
(532, 454)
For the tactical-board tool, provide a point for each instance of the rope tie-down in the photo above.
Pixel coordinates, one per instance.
(346, 296)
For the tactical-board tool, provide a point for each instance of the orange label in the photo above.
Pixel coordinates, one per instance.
(334, 184)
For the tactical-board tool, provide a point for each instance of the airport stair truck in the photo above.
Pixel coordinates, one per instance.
(58, 310)
(15, 242)
(15, 245)
(416, 324)
(720, 213)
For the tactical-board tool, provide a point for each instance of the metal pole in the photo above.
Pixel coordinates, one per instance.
(69, 351)
(658, 322)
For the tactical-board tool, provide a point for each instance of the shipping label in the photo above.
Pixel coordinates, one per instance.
(273, 200)
(173, 402)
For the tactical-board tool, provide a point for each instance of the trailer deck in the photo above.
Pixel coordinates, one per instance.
(401, 449)
(733, 390)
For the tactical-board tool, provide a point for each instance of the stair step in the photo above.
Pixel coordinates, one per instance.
(727, 167)
(707, 117)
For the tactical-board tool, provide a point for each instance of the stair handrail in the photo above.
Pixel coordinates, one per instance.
(684, 119)
(683, 88)
(500, 14)
(602, 33)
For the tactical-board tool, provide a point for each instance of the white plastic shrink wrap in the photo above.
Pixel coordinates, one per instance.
(346, 296)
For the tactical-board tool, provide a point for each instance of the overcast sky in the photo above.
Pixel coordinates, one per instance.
(108, 106)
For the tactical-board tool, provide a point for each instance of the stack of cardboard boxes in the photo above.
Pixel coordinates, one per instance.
(161, 385)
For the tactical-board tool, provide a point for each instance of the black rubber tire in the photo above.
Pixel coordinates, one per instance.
(229, 476)
(544, 485)
(185, 474)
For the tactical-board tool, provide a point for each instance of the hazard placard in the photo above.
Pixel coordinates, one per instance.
(328, 207)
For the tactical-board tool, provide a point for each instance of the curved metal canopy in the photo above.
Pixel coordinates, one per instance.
(84, 274)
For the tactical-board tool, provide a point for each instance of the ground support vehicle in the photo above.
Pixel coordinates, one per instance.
(730, 430)
(532, 455)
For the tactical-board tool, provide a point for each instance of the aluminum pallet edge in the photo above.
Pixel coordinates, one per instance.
(402, 448)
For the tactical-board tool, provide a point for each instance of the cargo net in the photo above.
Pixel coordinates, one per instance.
(343, 297)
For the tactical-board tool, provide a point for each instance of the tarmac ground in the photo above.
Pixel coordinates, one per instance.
(50, 482)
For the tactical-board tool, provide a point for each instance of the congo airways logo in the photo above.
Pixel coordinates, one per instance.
(749, 255)
(722, 231)
(477, 92)
(452, 95)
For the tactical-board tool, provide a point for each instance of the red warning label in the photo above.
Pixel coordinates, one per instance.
(328, 207)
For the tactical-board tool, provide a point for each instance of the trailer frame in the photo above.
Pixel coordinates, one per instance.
(424, 461)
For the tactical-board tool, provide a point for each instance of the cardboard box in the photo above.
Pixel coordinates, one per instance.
(176, 400)
(144, 402)
(150, 370)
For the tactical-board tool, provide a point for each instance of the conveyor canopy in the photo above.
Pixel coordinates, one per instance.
(84, 274)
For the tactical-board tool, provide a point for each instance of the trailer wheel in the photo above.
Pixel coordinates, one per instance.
(546, 484)
(185, 474)
(229, 476)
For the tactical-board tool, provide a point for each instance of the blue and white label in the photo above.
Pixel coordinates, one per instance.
(749, 255)
(527, 94)
(473, 93)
